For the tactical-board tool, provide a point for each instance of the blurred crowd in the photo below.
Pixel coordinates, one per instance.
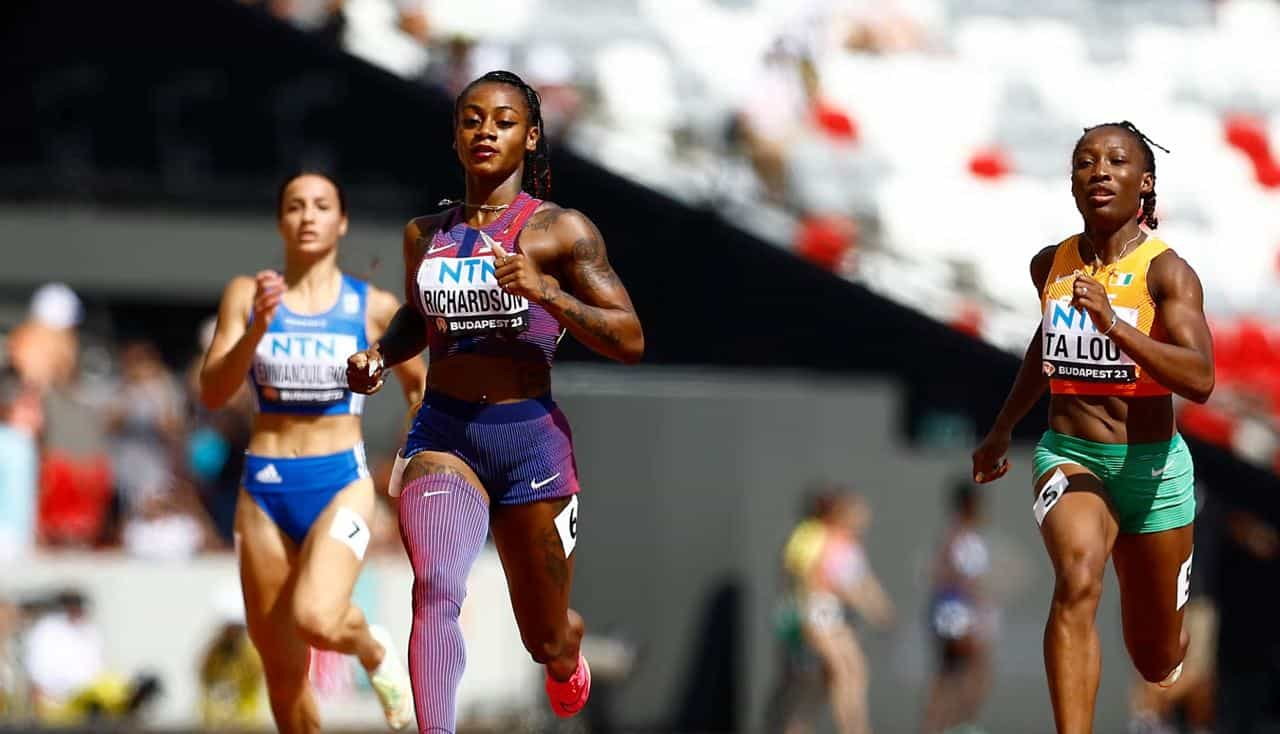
(805, 133)
(103, 445)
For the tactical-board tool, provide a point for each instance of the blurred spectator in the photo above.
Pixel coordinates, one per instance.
(14, 694)
(322, 18)
(962, 617)
(232, 685)
(21, 419)
(65, 659)
(145, 426)
(832, 578)
(550, 69)
(44, 348)
(411, 17)
(774, 112)
(168, 527)
(216, 442)
(64, 651)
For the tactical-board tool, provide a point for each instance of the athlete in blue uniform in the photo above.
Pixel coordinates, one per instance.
(302, 517)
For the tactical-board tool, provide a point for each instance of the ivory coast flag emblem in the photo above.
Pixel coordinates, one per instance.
(1121, 279)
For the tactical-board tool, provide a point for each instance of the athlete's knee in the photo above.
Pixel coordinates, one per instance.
(316, 627)
(1078, 585)
(440, 591)
(1156, 660)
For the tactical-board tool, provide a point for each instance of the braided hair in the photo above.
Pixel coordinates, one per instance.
(537, 162)
(1147, 214)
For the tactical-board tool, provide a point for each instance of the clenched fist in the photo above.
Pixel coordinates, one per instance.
(364, 371)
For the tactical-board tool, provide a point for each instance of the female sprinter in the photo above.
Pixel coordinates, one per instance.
(302, 515)
(492, 283)
(1123, 327)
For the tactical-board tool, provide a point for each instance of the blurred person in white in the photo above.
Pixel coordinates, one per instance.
(322, 18)
(303, 513)
(64, 653)
(832, 578)
(144, 427)
(551, 70)
(45, 347)
(21, 420)
(46, 351)
(962, 618)
(778, 105)
(168, 526)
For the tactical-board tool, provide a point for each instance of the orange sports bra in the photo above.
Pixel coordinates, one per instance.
(1077, 357)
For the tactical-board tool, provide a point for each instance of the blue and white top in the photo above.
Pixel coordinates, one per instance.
(300, 367)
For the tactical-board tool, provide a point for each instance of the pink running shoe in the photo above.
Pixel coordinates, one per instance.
(569, 697)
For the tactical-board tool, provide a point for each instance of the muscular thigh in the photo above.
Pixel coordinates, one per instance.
(267, 559)
(427, 463)
(1154, 574)
(537, 556)
(333, 552)
(1076, 522)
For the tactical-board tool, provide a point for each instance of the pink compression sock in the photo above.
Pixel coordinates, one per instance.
(444, 521)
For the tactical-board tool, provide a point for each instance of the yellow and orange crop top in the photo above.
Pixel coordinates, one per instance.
(1076, 356)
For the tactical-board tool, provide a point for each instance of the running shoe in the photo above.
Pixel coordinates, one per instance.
(568, 697)
(391, 682)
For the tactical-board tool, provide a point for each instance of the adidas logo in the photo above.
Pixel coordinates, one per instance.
(268, 475)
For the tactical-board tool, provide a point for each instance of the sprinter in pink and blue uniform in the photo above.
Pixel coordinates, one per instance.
(491, 286)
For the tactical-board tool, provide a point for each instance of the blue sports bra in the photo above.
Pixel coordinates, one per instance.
(300, 366)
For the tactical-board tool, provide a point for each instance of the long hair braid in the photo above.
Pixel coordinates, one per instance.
(537, 162)
(1147, 214)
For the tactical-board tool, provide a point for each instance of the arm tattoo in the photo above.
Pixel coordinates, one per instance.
(591, 266)
(592, 320)
(544, 220)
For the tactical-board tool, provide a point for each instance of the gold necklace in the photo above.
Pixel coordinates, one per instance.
(477, 207)
(1124, 250)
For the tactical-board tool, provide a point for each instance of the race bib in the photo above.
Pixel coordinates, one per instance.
(1075, 349)
(303, 368)
(461, 296)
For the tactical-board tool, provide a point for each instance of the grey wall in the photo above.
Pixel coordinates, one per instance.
(690, 478)
(170, 254)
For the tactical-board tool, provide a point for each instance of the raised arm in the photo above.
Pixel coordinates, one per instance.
(1184, 364)
(236, 337)
(588, 298)
(989, 460)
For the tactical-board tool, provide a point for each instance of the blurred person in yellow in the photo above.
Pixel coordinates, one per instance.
(232, 684)
(70, 681)
(831, 577)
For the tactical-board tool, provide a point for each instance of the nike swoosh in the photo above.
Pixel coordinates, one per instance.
(434, 250)
(544, 482)
(443, 491)
(1157, 472)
